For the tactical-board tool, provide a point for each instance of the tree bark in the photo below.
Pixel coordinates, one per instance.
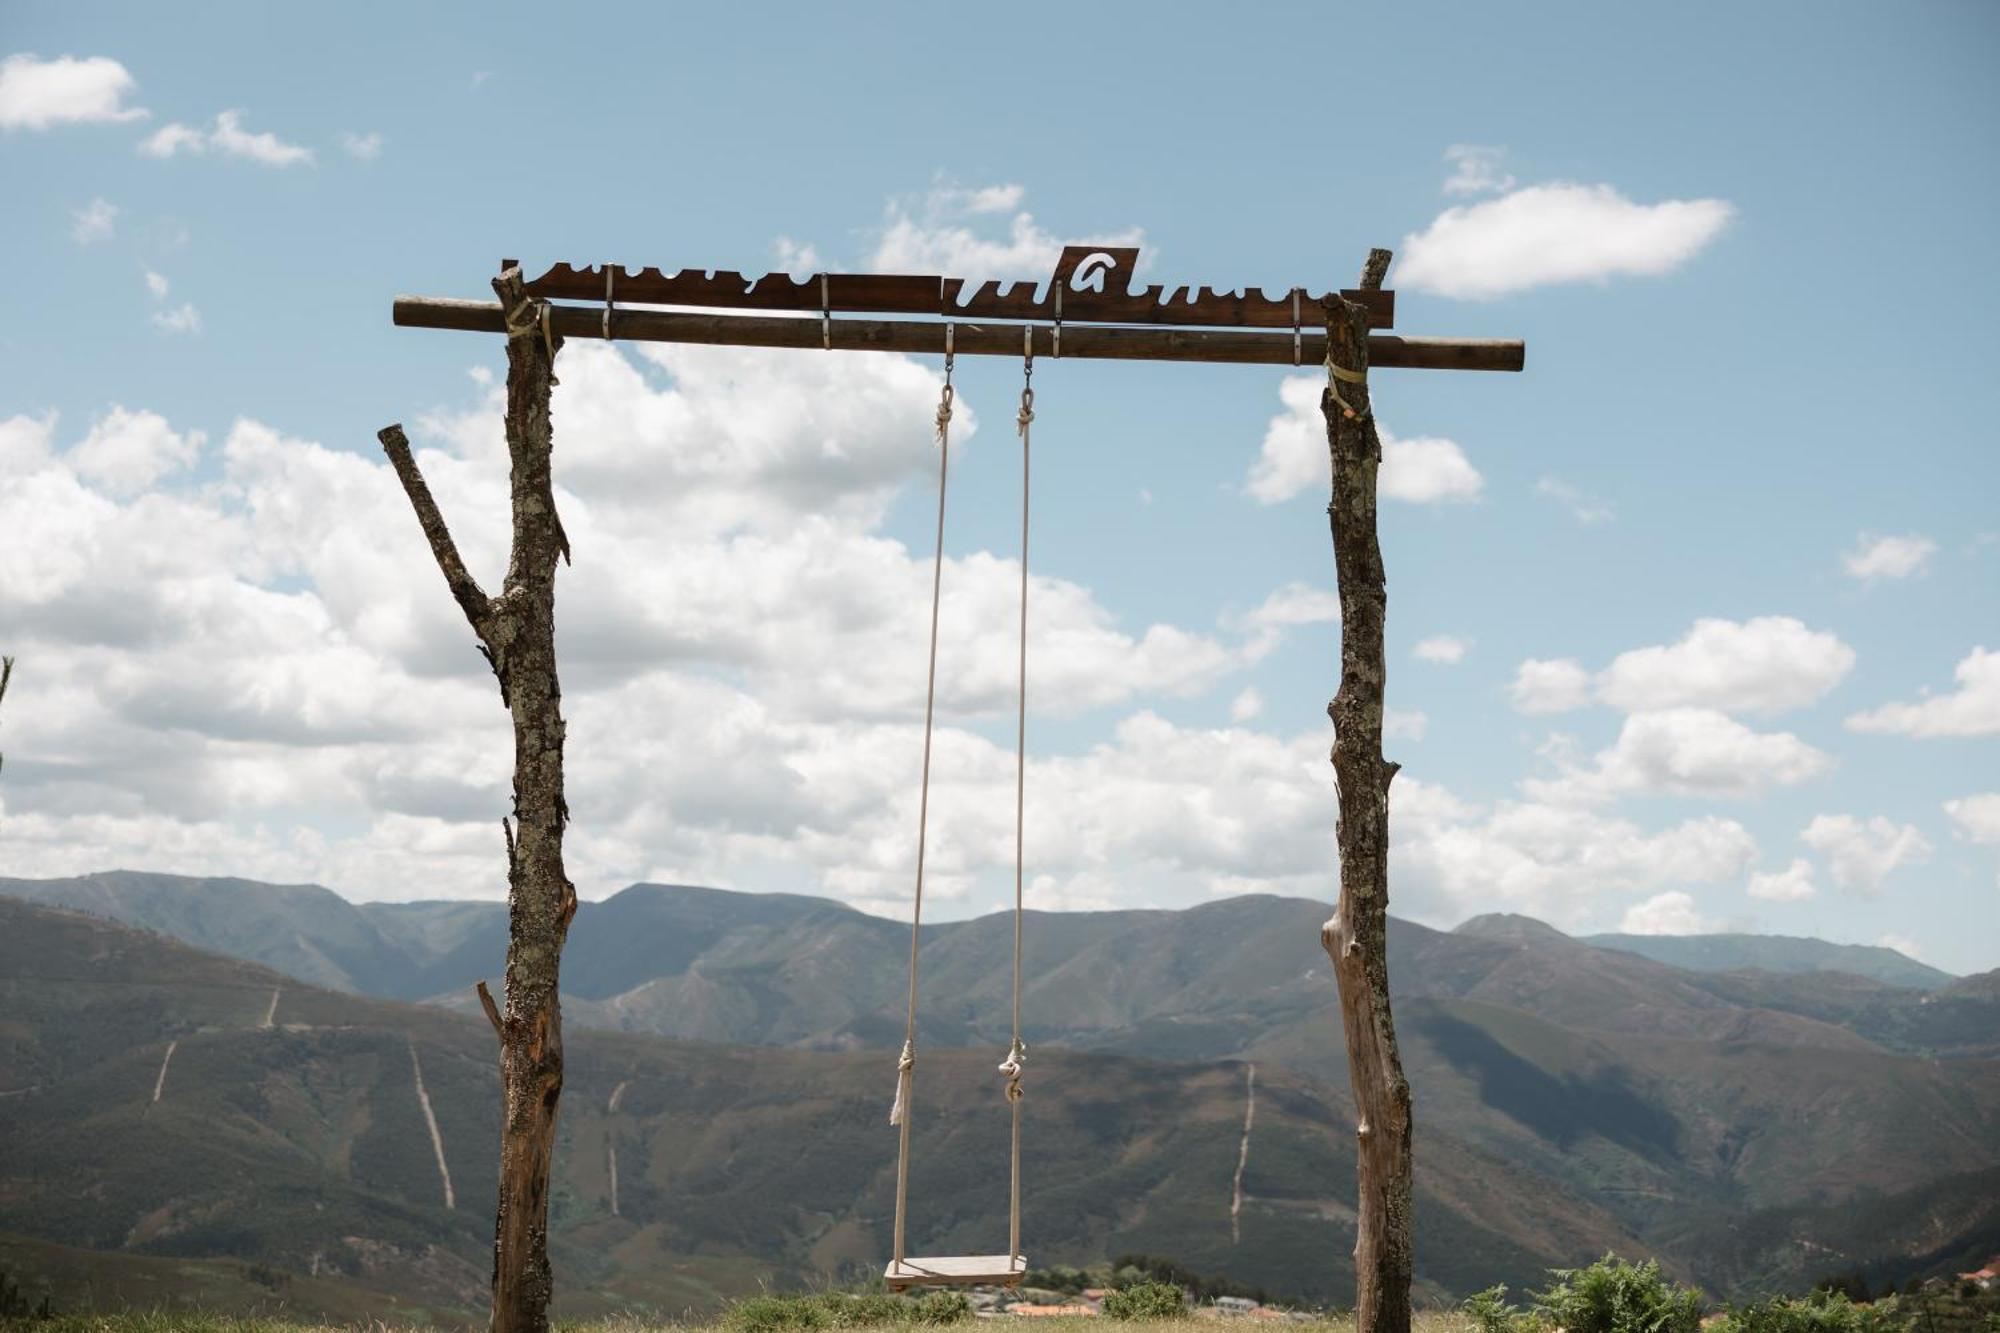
(516, 633)
(1356, 938)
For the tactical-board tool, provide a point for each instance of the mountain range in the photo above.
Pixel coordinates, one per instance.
(1751, 1115)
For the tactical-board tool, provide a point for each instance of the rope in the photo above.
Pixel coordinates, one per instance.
(1017, 1052)
(906, 1063)
(1338, 375)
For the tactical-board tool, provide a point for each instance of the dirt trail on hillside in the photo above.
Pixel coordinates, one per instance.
(160, 1083)
(1243, 1153)
(430, 1119)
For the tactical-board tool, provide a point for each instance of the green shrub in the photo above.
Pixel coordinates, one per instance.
(1821, 1312)
(1610, 1296)
(941, 1307)
(1491, 1313)
(1146, 1300)
(843, 1309)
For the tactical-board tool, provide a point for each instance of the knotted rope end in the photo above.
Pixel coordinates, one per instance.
(1010, 1068)
(906, 1065)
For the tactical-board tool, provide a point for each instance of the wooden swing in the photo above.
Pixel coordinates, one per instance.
(1007, 1269)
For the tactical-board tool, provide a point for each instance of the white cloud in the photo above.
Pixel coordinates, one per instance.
(1973, 709)
(95, 221)
(1442, 648)
(1247, 705)
(1426, 470)
(157, 285)
(37, 93)
(25, 443)
(984, 198)
(1293, 457)
(1860, 854)
(743, 675)
(1288, 607)
(742, 651)
(183, 318)
(228, 138)
(1974, 818)
(1765, 664)
(362, 147)
(741, 638)
(127, 452)
(1669, 913)
(800, 260)
(1889, 557)
(1902, 944)
(172, 139)
(231, 139)
(1405, 724)
(1550, 686)
(1977, 818)
(1793, 884)
(1555, 233)
(1584, 507)
(1561, 863)
(1686, 752)
(941, 232)
(1475, 169)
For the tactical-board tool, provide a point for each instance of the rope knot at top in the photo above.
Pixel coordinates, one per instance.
(946, 396)
(944, 412)
(1338, 375)
(526, 317)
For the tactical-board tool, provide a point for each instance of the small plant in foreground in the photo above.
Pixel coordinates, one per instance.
(1146, 1300)
(1610, 1296)
(1821, 1312)
(1490, 1313)
(1613, 1296)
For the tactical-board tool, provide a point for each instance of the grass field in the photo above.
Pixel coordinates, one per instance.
(187, 1322)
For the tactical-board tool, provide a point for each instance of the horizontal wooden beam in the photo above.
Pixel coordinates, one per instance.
(1107, 301)
(1082, 342)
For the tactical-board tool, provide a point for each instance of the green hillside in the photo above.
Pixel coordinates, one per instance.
(1564, 1092)
(301, 1145)
(1777, 953)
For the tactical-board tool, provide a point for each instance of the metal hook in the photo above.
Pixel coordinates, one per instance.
(950, 334)
(609, 269)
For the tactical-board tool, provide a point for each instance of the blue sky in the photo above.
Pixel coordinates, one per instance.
(1748, 248)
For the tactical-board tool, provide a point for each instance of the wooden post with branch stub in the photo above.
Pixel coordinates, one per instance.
(1356, 938)
(516, 632)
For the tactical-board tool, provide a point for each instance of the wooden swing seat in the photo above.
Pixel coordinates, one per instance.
(957, 1270)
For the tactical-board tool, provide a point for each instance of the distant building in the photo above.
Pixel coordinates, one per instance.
(1235, 1305)
(1025, 1310)
(1984, 1278)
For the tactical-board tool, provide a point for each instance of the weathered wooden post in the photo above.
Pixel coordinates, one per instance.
(1357, 936)
(517, 634)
